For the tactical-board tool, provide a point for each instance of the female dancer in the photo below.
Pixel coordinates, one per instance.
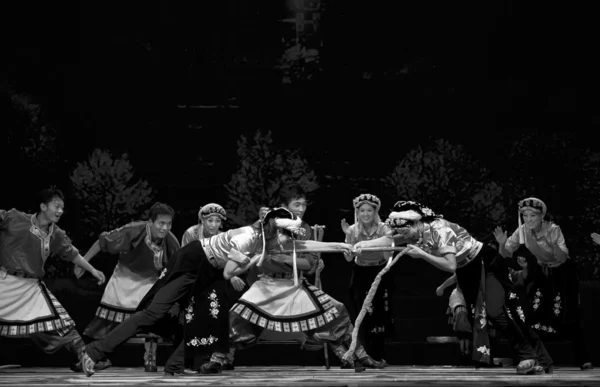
(482, 278)
(554, 294)
(275, 308)
(379, 322)
(210, 220)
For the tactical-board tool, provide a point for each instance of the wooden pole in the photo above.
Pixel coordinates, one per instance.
(332, 250)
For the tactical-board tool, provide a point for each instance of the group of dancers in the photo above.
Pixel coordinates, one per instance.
(218, 291)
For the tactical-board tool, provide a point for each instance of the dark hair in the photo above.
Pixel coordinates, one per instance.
(46, 195)
(161, 209)
(288, 193)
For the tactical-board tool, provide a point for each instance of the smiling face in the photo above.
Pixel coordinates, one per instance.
(366, 213)
(212, 224)
(53, 210)
(532, 219)
(161, 226)
(297, 206)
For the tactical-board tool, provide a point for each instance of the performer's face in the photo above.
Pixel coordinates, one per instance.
(405, 235)
(532, 219)
(212, 224)
(161, 226)
(53, 210)
(366, 213)
(297, 206)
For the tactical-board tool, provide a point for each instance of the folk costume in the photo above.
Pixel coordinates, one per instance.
(550, 293)
(379, 322)
(27, 307)
(141, 260)
(483, 278)
(282, 305)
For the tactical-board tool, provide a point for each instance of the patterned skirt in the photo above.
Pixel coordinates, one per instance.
(206, 320)
(550, 297)
(124, 291)
(273, 309)
(27, 306)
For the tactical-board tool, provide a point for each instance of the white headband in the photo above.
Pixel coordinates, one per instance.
(408, 215)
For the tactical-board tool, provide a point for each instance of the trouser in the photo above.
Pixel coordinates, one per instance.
(50, 342)
(141, 321)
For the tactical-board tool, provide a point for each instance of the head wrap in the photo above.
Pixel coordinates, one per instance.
(212, 209)
(372, 200)
(406, 212)
(286, 220)
(531, 204)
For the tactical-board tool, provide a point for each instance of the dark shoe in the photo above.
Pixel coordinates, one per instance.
(537, 370)
(369, 362)
(102, 365)
(176, 374)
(347, 365)
(587, 366)
(227, 366)
(77, 367)
(525, 367)
(211, 367)
(150, 366)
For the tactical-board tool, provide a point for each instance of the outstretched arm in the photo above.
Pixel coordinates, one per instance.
(316, 245)
(92, 252)
(233, 268)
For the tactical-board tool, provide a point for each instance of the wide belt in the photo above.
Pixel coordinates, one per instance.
(471, 256)
(282, 275)
(371, 263)
(16, 273)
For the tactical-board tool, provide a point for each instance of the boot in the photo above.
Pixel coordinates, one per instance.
(365, 360)
(340, 350)
(227, 364)
(211, 367)
(150, 357)
(526, 367)
(102, 365)
(587, 366)
(75, 347)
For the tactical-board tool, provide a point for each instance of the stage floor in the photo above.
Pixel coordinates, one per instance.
(304, 376)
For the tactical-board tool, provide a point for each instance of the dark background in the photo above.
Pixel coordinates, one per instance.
(393, 75)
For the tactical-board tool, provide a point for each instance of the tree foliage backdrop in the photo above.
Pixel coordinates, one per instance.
(108, 194)
(445, 177)
(263, 169)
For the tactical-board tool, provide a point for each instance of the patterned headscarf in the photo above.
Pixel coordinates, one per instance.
(212, 209)
(531, 204)
(372, 200)
(406, 212)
